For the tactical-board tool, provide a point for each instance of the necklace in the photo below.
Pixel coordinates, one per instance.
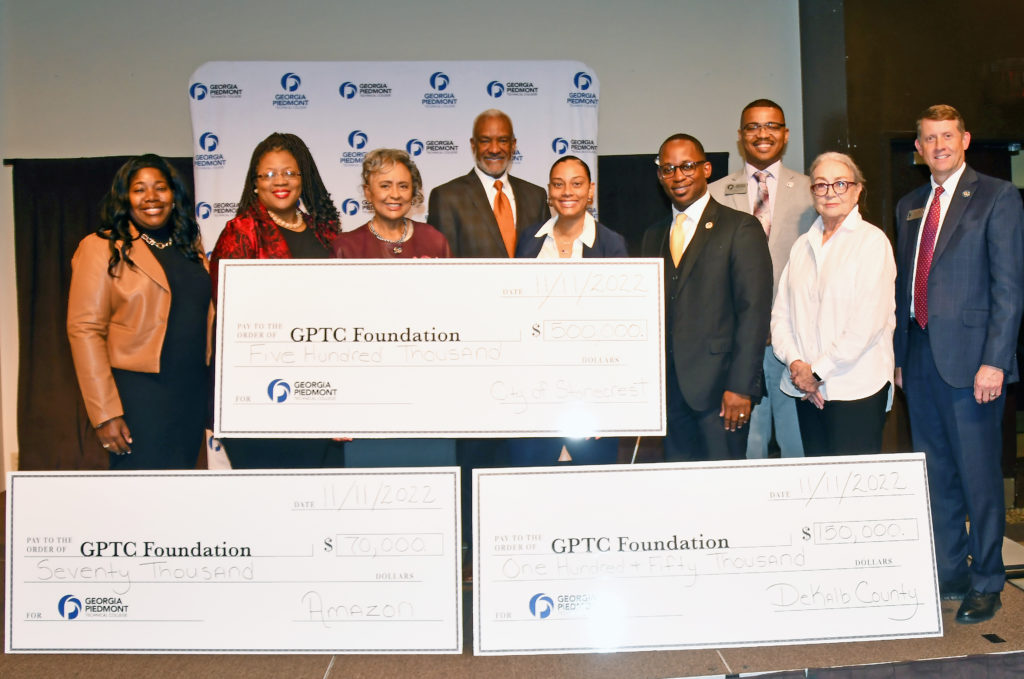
(155, 243)
(398, 242)
(297, 225)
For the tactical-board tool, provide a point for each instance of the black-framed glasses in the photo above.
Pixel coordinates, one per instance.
(840, 187)
(272, 174)
(688, 168)
(754, 128)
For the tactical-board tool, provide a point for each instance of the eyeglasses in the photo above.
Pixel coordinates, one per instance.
(754, 128)
(271, 174)
(688, 168)
(840, 187)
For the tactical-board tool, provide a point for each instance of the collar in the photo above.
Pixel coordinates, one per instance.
(695, 210)
(586, 236)
(949, 186)
(852, 222)
(488, 181)
(773, 170)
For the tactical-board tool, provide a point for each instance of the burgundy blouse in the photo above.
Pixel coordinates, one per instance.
(426, 241)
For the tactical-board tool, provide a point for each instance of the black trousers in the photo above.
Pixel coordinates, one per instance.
(843, 427)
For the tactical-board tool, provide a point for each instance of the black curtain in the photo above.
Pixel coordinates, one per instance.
(56, 204)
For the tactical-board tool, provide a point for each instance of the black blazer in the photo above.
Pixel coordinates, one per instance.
(718, 304)
(460, 210)
(607, 243)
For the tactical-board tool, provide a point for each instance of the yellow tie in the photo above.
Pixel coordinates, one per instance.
(677, 238)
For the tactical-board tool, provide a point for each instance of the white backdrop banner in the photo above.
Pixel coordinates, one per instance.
(342, 110)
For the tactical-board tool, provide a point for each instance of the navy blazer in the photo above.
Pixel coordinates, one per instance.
(718, 305)
(607, 243)
(976, 281)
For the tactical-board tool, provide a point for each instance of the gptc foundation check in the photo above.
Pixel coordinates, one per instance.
(257, 562)
(702, 555)
(446, 348)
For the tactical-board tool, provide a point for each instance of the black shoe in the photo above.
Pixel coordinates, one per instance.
(955, 590)
(978, 607)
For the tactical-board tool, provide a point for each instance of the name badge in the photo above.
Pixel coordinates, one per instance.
(915, 214)
(735, 189)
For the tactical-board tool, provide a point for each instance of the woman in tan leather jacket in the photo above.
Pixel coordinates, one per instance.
(139, 317)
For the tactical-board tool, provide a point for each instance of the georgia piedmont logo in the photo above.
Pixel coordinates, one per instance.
(559, 146)
(347, 90)
(357, 139)
(582, 82)
(541, 605)
(279, 390)
(208, 142)
(512, 88)
(414, 147)
(69, 607)
(440, 96)
(201, 91)
(290, 83)
(203, 210)
(417, 147)
(350, 206)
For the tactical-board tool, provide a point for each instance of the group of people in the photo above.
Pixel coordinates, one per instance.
(787, 313)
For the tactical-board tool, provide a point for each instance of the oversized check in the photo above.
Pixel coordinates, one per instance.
(440, 348)
(253, 562)
(700, 555)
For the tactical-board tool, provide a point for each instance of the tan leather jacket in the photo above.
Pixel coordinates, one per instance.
(117, 321)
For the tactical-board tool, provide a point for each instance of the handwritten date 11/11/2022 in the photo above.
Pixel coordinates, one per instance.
(837, 486)
(361, 495)
(593, 284)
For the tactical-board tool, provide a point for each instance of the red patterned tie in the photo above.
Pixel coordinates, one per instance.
(924, 260)
(761, 210)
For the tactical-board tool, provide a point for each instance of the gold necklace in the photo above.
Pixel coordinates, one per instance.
(297, 225)
(157, 244)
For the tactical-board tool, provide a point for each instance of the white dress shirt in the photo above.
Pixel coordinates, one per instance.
(506, 188)
(948, 188)
(836, 309)
(549, 249)
(693, 213)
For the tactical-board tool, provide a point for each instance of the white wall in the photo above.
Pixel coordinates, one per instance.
(109, 77)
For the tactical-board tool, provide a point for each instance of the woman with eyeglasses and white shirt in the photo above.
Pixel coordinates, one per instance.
(270, 225)
(834, 316)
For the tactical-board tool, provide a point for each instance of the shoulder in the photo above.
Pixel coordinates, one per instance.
(456, 184)
(523, 186)
(611, 240)
(729, 183)
(727, 216)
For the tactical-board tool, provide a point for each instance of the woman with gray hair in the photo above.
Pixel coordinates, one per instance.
(833, 319)
(392, 186)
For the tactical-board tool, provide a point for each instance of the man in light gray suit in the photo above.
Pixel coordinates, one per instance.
(781, 199)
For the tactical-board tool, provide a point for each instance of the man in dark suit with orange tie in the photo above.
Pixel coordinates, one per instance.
(482, 213)
(959, 297)
(718, 288)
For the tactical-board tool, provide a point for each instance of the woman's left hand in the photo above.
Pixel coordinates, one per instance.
(802, 376)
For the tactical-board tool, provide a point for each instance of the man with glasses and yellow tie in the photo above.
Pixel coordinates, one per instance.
(718, 296)
(780, 198)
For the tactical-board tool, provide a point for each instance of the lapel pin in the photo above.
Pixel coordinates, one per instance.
(789, 185)
(709, 225)
(966, 194)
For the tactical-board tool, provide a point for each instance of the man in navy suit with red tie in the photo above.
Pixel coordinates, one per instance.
(959, 297)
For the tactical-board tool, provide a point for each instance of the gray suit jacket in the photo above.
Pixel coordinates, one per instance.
(794, 211)
(460, 210)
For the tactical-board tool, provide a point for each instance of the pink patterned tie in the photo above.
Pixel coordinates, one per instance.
(924, 260)
(761, 210)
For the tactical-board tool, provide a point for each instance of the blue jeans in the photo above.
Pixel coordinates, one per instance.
(777, 406)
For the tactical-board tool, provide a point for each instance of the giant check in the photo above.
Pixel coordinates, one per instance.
(254, 562)
(440, 348)
(676, 556)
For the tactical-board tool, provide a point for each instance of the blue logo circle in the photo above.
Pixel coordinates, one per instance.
(347, 90)
(208, 142)
(278, 390)
(559, 145)
(350, 206)
(541, 605)
(414, 147)
(582, 80)
(69, 607)
(290, 82)
(357, 139)
(495, 88)
(439, 81)
(198, 91)
(203, 210)
(213, 444)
